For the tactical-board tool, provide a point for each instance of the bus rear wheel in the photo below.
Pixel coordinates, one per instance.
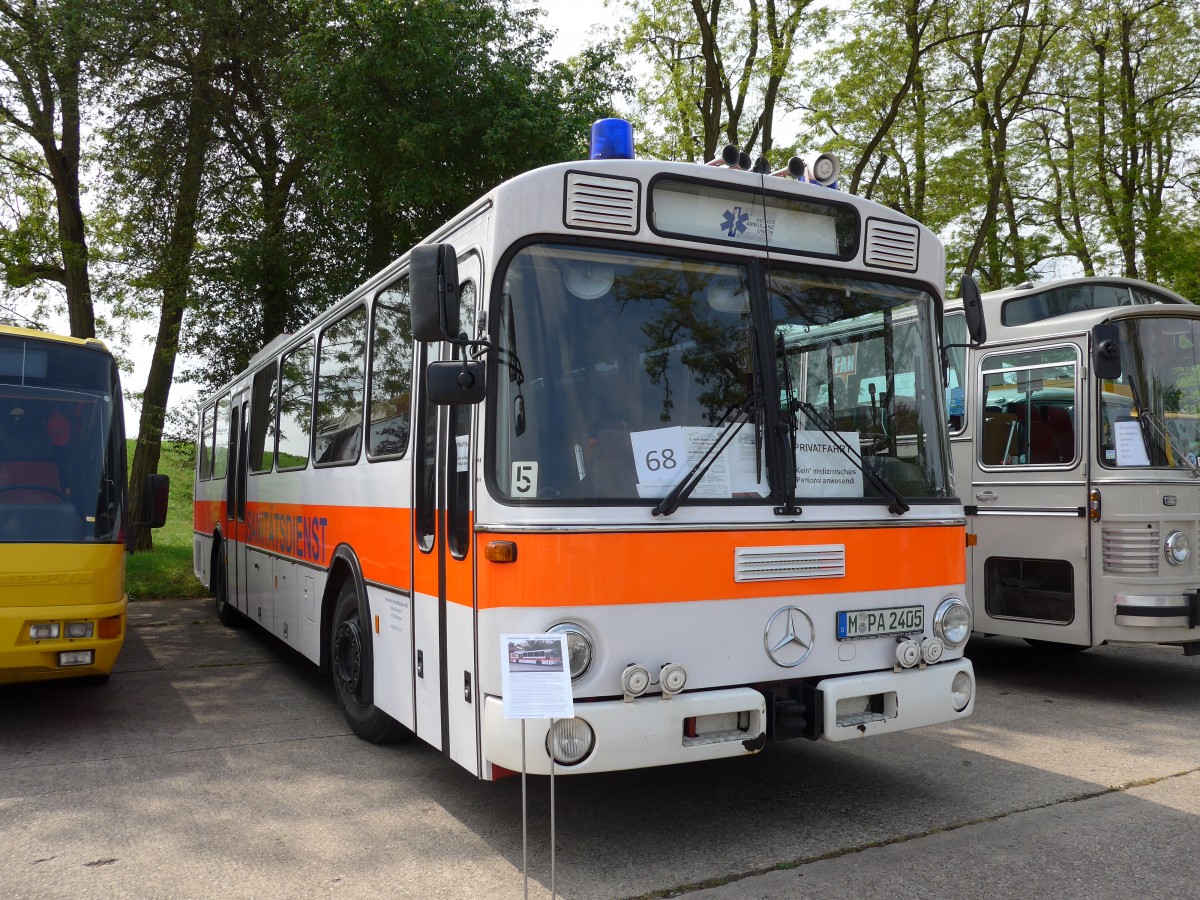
(351, 676)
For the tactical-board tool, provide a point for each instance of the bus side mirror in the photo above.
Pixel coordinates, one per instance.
(973, 307)
(155, 492)
(1106, 352)
(455, 382)
(433, 277)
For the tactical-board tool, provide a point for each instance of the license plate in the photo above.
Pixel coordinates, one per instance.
(864, 623)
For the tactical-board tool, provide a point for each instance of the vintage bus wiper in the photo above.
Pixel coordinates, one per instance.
(897, 506)
(731, 426)
(1165, 436)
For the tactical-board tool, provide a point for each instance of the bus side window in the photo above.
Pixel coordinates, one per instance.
(206, 444)
(221, 439)
(262, 420)
(391, 373)
(341, 373)
(295, 408)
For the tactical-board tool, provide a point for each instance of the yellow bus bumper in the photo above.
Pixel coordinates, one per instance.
(24, 658)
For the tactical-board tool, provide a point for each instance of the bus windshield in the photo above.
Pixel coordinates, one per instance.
(618, 370)
(859, 362)
(61, 453)
(1150, 416)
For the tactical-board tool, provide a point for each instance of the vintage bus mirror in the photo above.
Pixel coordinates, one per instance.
(455, 382)
(155, 492)
(1106, 352)
(433, 276)
(973, 307)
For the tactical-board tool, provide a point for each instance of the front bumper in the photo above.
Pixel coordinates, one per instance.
(653, 732)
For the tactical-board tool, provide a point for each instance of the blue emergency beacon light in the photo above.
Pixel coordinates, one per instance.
(612, 139)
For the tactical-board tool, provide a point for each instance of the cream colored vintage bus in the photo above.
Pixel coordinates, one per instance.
(1075, 430)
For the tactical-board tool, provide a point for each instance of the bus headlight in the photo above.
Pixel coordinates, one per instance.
(952, 622)
(569, 741)
(960, 691)
(579, 647)
(1178, 548)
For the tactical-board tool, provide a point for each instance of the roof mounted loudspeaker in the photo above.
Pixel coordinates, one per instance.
(822, 168)
(794, 168)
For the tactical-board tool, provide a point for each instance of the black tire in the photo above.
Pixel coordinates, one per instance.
(350, 676)
(1056, 647)
(226, 611)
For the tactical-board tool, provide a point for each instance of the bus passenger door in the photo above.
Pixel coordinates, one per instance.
(444, 614)
(239, 570)
(1027, 503)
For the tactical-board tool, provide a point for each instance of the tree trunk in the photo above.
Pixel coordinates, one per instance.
(177, 276)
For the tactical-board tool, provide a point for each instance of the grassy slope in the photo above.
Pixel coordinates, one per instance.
(166, 571)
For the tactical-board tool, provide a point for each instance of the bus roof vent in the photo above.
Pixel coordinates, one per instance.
(602, 203)
(891, 245)
(789, 563)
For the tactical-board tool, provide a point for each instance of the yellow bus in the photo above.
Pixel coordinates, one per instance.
(64, 517)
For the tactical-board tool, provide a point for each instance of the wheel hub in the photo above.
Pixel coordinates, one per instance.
(347, 653)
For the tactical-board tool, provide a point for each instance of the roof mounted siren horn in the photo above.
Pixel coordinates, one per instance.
(793, 169)
(822, 169)
(733, 157)
(611, 139)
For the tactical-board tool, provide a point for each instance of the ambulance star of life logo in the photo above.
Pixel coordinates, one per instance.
(789, 636)
(735, 221)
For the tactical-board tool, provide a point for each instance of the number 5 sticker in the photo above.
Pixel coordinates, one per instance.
(524, 479)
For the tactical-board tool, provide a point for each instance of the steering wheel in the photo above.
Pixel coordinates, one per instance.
(44, 488)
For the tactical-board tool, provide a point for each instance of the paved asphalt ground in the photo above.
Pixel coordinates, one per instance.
(215, 764)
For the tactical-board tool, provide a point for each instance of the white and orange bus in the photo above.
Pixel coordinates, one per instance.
(64, 508)
(680, 413)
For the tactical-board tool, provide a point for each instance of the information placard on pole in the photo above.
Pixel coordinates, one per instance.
(536, 680)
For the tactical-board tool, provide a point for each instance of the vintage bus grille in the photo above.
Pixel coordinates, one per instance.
(1131, 550)
(606, 204)
(891, 245)
(789, 563)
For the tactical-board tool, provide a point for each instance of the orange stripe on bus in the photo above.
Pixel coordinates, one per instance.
(379, 536)
(601, 569)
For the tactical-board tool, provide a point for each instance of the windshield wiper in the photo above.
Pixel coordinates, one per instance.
(731, 426)
(1165, 436)
(897, 506)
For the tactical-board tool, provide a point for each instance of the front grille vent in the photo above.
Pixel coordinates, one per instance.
(1131, 549)
(602, 204)
(789, 563)
(891, 245)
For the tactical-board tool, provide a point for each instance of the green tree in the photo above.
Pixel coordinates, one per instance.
(158, 148)
(53, 57)
(718, 71)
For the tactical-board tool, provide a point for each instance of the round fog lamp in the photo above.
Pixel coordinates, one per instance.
(952, 622)
(960, 691)
(1178, 548)
(579, 647)
(569, 741)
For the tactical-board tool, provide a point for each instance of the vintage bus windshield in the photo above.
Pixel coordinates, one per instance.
(1150, 416)
(618, 370)
(860, 362)
(61, 445)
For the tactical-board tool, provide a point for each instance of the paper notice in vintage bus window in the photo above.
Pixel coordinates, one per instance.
(535, 676)
(822, 470)
(1131, 448)
(663, 456)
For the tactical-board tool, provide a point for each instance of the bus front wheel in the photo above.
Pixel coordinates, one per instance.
(226, 611)
(351, 675)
